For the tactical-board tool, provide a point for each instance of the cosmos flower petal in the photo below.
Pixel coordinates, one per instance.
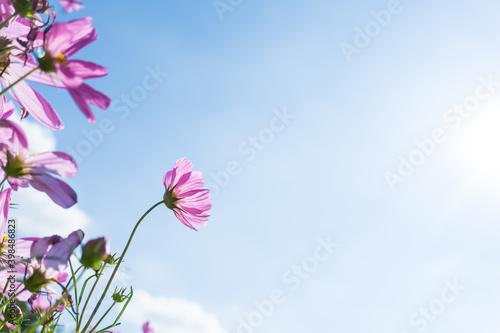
(4, 209)
(57, 163)
(70, 5)
(185, 195)
(60, 192)
(57, 257)
(86, 70)
(85, 95)
(37, 106)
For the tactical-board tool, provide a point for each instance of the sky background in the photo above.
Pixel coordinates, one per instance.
(427, 243)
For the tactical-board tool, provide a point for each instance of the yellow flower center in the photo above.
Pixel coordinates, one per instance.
(15, 166)
(61, 59)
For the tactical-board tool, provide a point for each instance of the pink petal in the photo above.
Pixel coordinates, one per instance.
(57, 257)
(37, 106)
(54, 162)
(4, 209)
(85, 95)
(60, 192)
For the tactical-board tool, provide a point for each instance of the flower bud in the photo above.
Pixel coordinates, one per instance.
(110, 260)
(118, 296)
(94, 253)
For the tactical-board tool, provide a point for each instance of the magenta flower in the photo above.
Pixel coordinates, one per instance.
(31, 101)
(146, 328)
(61, 42)
(70, 5)
(23, 169)
(49, 258)
(184, 194)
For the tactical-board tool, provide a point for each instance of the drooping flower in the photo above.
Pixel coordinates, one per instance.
(49, 259)
(70, 5)
(185, 195)
(61, 42)
(23, 169)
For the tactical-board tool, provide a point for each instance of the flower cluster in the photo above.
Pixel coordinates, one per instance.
(38, 273)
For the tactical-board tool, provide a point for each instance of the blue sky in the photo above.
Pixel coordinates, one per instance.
(317, 176)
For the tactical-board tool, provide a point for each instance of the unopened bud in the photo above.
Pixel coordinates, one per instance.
(94, 253)
(118, 296)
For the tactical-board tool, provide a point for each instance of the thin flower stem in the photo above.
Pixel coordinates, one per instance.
(79, 322)
(7, 21)
(118, 265)
(74, 283)
(102, 318)
(19, 80)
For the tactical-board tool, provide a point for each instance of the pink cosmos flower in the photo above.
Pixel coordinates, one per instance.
(23, 169)
(49, 259)
(70, 5)
(61, 42)
(146, 328)
(184, 194)
(30, 100)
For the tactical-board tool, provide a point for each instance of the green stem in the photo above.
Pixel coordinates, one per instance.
(118, 264)
(74, 283)
(99, 274)
(7, 21)
(19, 80)
(102, 318)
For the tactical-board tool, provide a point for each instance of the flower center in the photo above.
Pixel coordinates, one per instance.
(170, 199)
(15, 166)
(61, 59)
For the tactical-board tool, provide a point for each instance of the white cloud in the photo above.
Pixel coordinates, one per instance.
(171, 315)
(38, 215)
(40, 138)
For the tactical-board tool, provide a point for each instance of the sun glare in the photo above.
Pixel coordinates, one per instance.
(478, 143)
